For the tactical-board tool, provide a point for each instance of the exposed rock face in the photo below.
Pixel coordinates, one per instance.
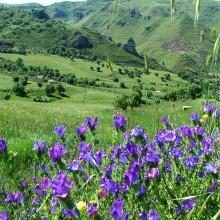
(130, 46)
(134, 12)
(81, 42)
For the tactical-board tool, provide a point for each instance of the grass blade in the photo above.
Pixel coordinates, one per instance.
(216, 217)
(197, 11)
(216, 50)
(172, 9)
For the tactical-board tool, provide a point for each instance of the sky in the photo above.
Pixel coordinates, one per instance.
(43, 2)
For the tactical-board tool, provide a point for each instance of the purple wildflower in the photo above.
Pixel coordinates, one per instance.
(208, 108)
(92, 123)
(176, 152)
(127, 135)
(61, 185)
(141, 190)
(152, 173)
(217, 113)
(40, 147)
(81, 131)
(3, 146)
(57, 152)
(186, 131)
(116, 209)
(75, 166)
(131, 175)
(4, 215)
(213, 187)
(170, 136)
(46, 183)
(92, 210)
(165, 120)
(207, 146)
(153, 157)
(195, 117)
(211, 168)
(39, 190)
(60, 130)
(191, 162)
(137, 132)
(99, 157)
(71, 214)
(16, 197)
(120, 122)
(152, 215)
(24, 183)
(188, 205)
(199, 130)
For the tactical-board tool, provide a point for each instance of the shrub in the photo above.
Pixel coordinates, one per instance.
(60, 89)
(149, 94)
(39, 84)
(122, 102)
(40, 99)
(122, 85)
(19, 90)
(16, 79)
(50, 89)
(115, 79)
(6, 96)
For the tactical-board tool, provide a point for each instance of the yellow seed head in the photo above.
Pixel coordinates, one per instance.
(81, 206)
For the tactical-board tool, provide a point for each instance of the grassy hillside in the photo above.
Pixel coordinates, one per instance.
(24, 30)
(82, 69)
(148, 22)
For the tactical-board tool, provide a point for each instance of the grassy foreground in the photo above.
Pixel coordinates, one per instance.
(22, 121)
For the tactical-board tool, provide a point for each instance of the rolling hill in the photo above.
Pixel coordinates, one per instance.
(28, 30)
(176, 44)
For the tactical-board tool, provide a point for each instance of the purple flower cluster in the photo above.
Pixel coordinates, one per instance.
(60, 130)
(40, 147)
(3, 146)
(61, 185)
(134, 178)
(120, 122)
(57, 152)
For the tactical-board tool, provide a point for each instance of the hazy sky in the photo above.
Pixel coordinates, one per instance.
(43, 2)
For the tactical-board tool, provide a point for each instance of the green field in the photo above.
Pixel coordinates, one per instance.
(82, 68)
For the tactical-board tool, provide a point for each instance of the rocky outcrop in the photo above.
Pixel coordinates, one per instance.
(130, 46)
(81, 42)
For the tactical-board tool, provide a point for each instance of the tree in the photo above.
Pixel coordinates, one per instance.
(50, 89)
(122, 102)
(60, 89)
(24, 80)
(16, 79)
(136, 97)
(122, 85)
(19, 62)
(19, 89)
(39, 84)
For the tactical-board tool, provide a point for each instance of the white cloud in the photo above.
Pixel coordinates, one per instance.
(43, 2)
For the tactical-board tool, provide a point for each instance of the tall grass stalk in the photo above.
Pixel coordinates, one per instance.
(197, 12)
(216, 50)
(146, 62)
(172, 9)
(110, 65)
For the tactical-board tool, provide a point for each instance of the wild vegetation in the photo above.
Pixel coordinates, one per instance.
(109, 110)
